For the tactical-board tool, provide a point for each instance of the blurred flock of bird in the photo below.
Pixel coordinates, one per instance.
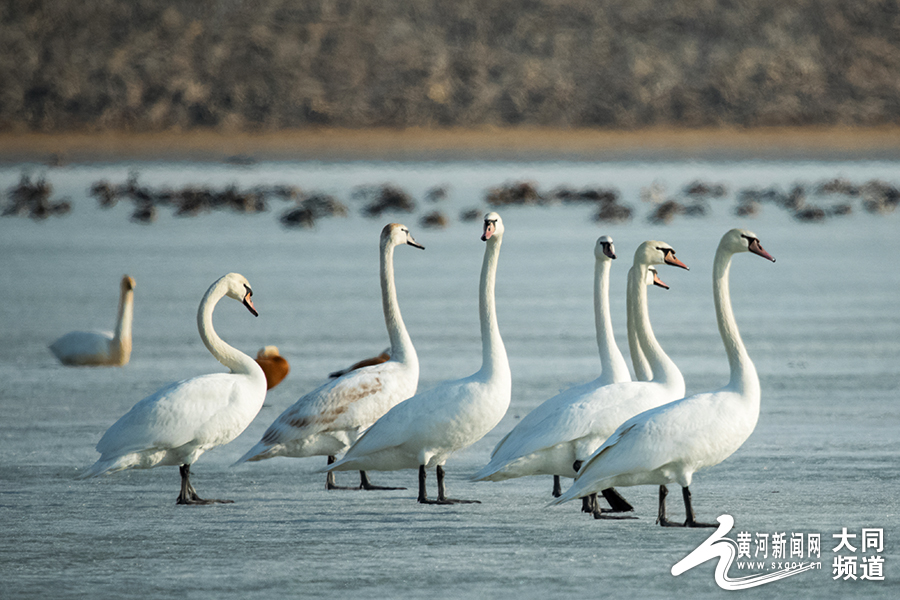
(812, 202)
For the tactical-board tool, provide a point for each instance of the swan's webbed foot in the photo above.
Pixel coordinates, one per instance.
(698, 524)
(589, 504)
(447, 501)
(442, 497)
(365, 484)
(605, 514)
(197, 500)
(188, 495)
(330, 480)
(331, 485)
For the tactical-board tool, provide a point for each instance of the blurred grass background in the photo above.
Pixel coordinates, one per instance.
(273, 65)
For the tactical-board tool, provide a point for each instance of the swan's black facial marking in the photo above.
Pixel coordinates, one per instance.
(410, 241)
(490, 226)
(248, 302)
(754, 246)
(608, 249)
(669, 258)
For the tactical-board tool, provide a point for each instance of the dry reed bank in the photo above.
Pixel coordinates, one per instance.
(268, 65)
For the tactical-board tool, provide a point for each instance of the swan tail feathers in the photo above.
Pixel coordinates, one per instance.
(108, 466)
(260, 451)
(490, 472)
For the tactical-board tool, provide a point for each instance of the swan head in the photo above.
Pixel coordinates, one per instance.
(395, 234)
(653, 278)
(268, 352)
(237, 287)
(604, 248)
(742, 240)
(653, 252)
(493, 227)
(127, 284)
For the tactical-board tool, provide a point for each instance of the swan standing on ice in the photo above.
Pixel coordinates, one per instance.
(426, 429)
(274, 365)
(328, 419)
(557, 436)
(96, 348)
(670, 443)
(183, 420)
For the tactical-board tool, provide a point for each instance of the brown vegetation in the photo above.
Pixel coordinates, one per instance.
(267, 65)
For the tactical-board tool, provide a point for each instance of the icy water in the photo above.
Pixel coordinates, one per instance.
(821, 324)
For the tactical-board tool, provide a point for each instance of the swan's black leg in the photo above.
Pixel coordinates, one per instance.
(691, 520)
(557, 487)
(330, 481)
(442, 496)
(423, 495)
(616, 502)
(365, 484)
(599, 513)
(589, 504)
(188, 494)
(661, 514)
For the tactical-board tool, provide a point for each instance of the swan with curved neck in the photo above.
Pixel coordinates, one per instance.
(565, 430)
(670, 443)
(95, 348)
(427, 429)
(183, 420)
(327, 420)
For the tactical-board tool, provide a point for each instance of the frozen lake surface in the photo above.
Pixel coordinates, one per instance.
(821, 324)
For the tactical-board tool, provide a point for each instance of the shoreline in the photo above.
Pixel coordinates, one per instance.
(833, 143)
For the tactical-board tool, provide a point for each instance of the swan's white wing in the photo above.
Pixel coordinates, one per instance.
(658, 444)
(182, 412)
(340, 408)
(435, 422)
(578, 414)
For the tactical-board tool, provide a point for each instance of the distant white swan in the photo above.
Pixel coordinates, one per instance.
(566, 429)
(183, 420)
(328, 419)
(670, 443)
(101, 348)
(274, 365)
(426, 429)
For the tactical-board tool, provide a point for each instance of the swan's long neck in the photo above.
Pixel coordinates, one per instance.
(611, 360)
(642, 370)
(121, 343)
(494, 361)
(663, 369)
(231, 357)
(743, 374)
(402, 349)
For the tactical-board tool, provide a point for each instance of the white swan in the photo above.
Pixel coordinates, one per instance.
(328, 419)
(566, 429)
(101, 348)
(183, 420)
(670, 443)
(274, 365)
(613, 368)
(426, 429)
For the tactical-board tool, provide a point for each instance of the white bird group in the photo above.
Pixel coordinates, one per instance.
(610, 432)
